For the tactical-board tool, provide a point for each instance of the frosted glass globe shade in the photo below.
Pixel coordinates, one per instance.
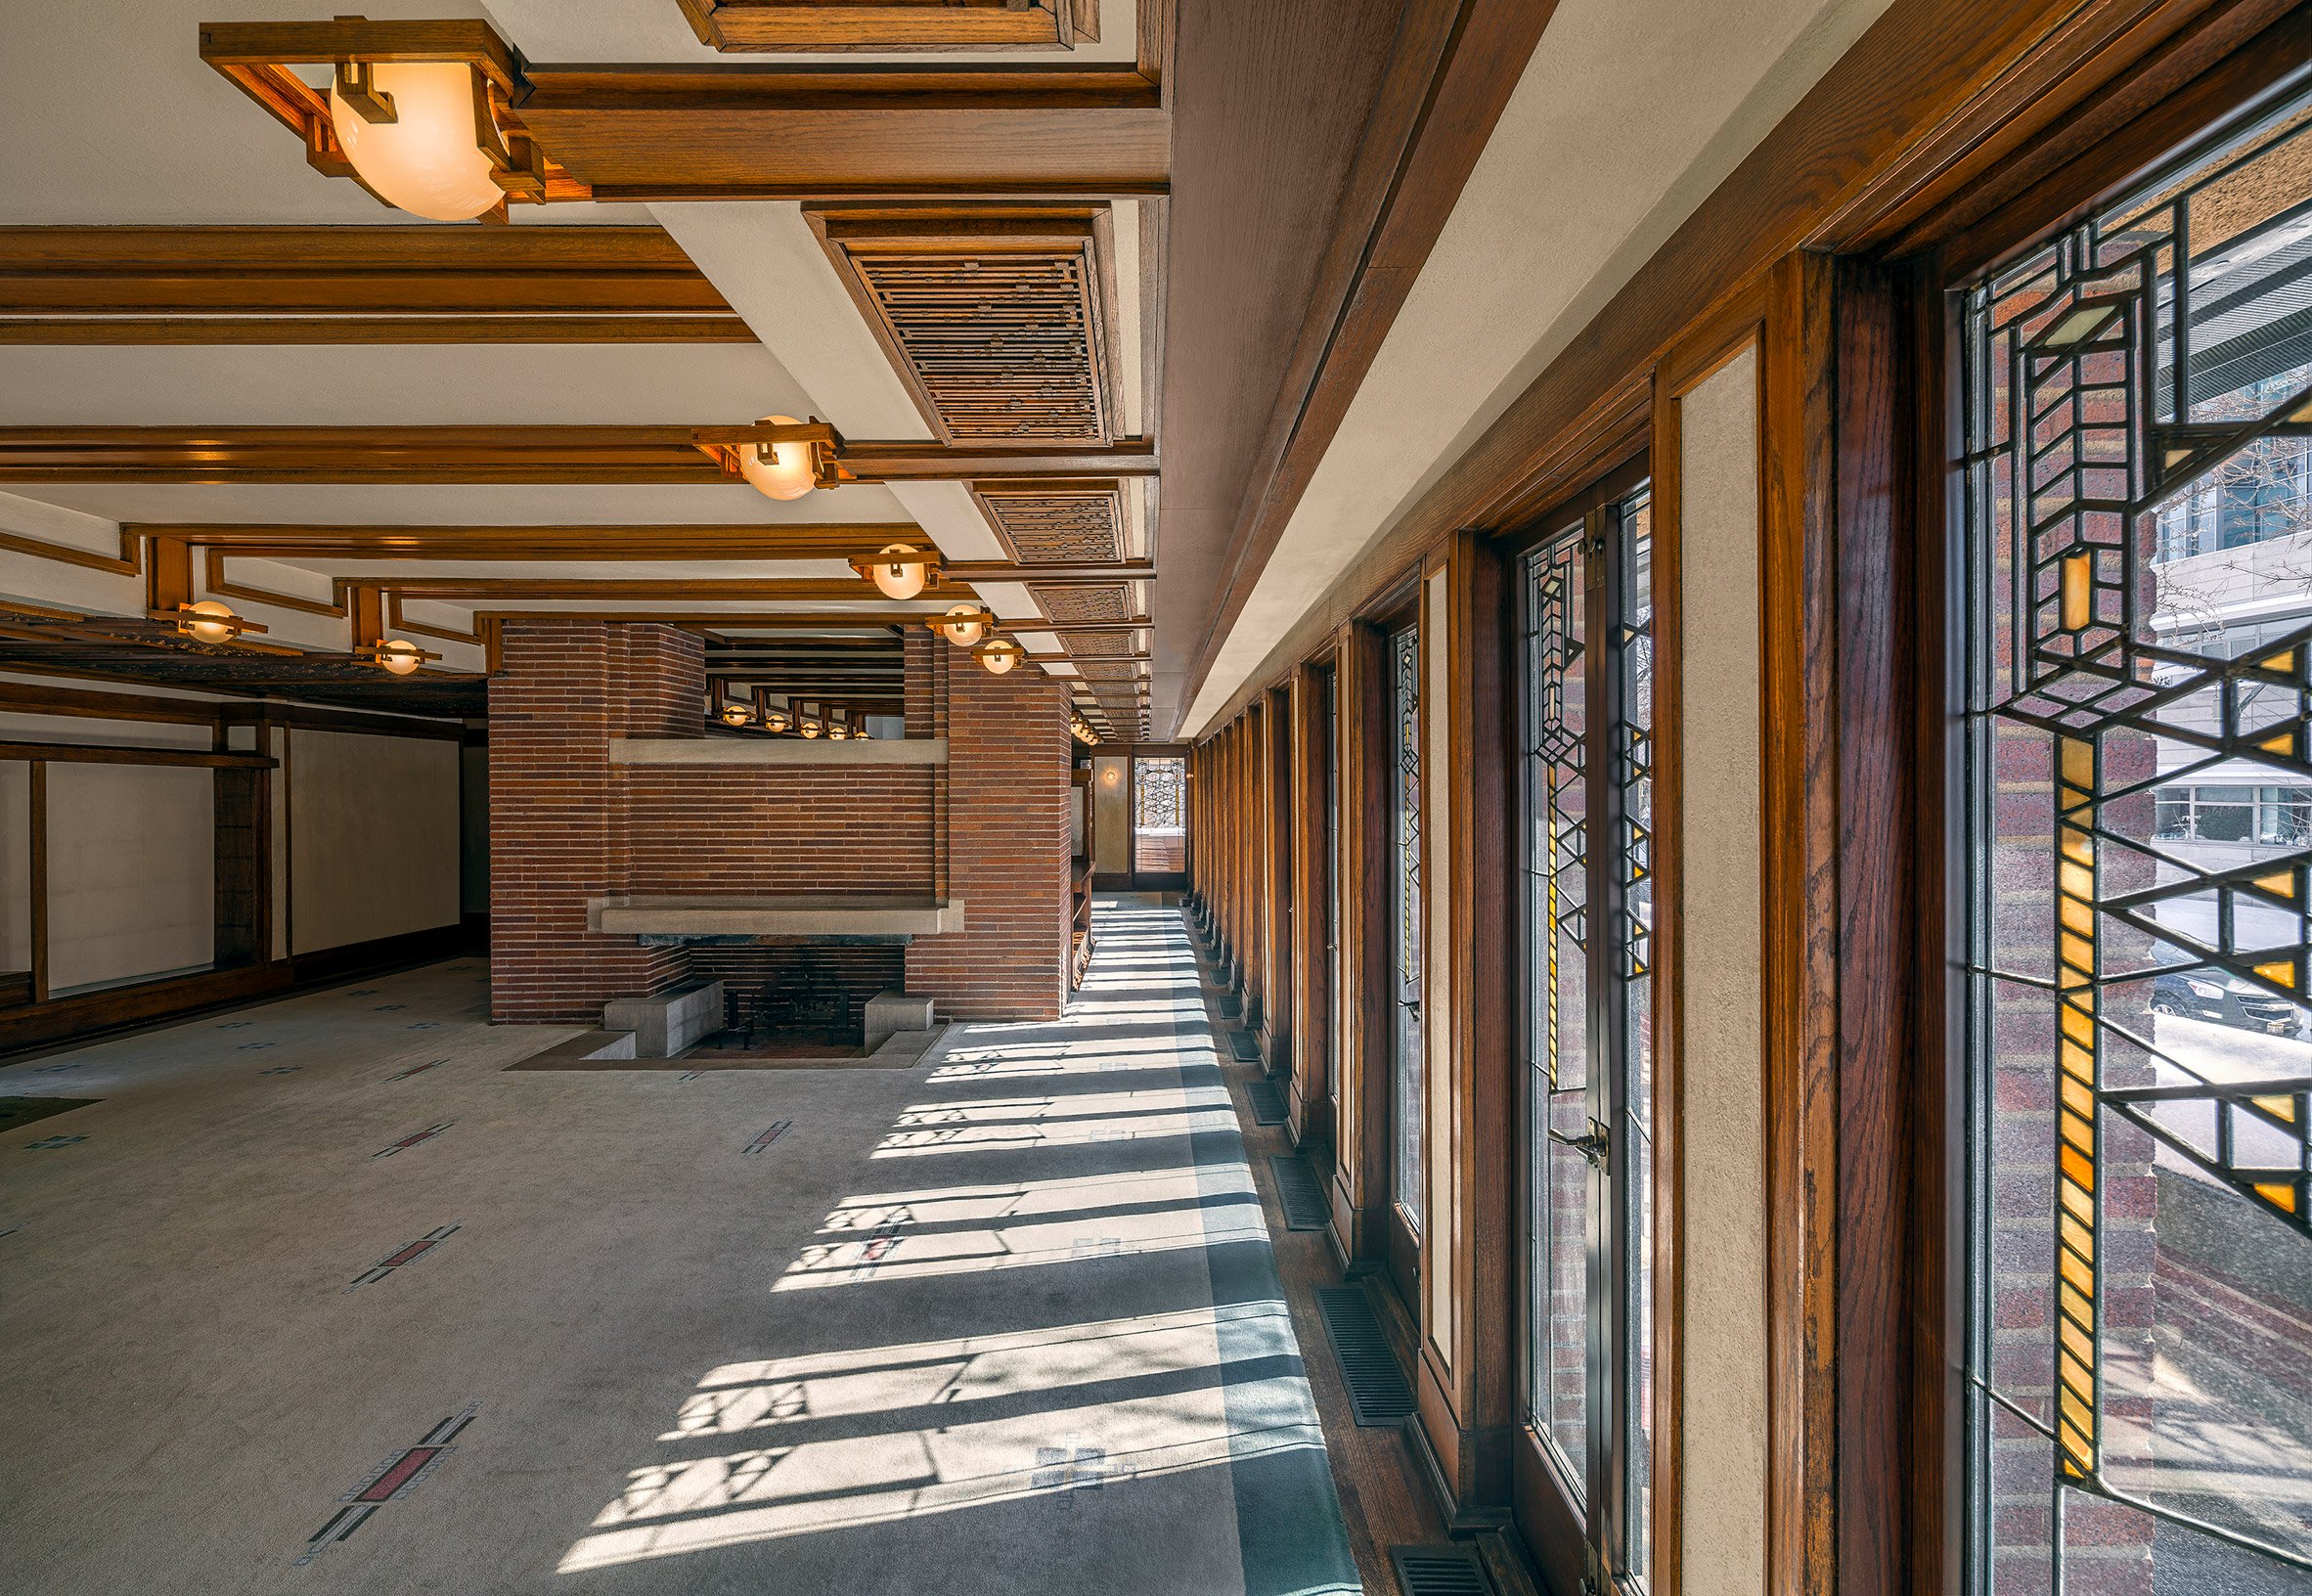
(779, 471)
(429, 160)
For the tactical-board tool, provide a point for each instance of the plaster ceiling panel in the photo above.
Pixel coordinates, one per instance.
(1628, 116)
(486, 504)
(389, 384)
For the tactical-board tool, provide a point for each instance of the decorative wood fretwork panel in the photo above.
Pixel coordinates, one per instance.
(1083, 605)
(1100, 643)
(1000, 325)
(1056, 523)
(834, 27)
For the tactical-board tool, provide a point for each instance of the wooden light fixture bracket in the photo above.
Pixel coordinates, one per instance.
(374, 653)
(722, 444)
(256, 57)
(183, 616)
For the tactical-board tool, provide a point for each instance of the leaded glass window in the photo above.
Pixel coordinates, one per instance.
(1585, 780)
(1406, 964)
(2139, 700)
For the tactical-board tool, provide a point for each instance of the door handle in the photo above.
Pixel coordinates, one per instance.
(1596, 1146)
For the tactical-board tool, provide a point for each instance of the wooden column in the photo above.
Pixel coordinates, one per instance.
(1280, 821)
(1469, 1363)
(1308, 1119)
(1364, 1015)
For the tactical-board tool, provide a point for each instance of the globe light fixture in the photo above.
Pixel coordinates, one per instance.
(398, 656)
(208, 622)
(410, 130)
(899, 572)
(966, 631)
(737, 715)
(1000, 654)
(812, 728)
(777, 719)
(779, 471)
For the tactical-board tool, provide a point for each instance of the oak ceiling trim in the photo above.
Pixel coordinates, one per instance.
(654, 132)
(355, 285)
(836, 27)
(649, 542)
(603, 454)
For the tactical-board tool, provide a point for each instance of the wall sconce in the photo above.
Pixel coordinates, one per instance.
(420, 113)
(964, 625)
(1000, 654)
(899, 570)
(397, 656)
(206, 622)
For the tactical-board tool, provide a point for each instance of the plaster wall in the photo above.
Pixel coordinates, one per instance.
(131, 873)
(373, 837)
(1723, 1121)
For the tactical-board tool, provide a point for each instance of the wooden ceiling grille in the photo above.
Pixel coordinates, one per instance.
(1108, 670)
(1047, 526)
(1000, 345)
(1100, 643)
(1081, 604)
(832, 27)
(998, 322)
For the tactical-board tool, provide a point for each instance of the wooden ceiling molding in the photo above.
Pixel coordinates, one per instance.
(654, 542)
(498, 453)
(1039, 525)
(1001, 322)
(835, 27)
(660, 132)
(355, 285)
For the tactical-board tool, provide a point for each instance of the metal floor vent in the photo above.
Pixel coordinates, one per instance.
(1242, 1044)
(1268, 1103)
(1440, 1571)
(1300, 1191)
(1378, 1392)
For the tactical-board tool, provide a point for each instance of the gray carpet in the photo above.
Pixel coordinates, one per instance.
(326, 1298)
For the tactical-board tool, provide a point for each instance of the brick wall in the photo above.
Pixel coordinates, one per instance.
(991, 827)
(1005, 801)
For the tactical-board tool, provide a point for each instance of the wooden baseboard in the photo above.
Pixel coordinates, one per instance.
(166, 1001)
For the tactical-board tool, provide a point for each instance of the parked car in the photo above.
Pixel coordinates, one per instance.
(2224, 999)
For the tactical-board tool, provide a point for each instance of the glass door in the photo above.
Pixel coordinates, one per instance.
(1405, 965)
(1585, 779)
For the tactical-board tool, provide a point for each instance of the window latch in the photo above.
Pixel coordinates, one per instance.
(1596, 1146)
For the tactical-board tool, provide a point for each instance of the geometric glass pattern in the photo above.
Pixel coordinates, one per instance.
(2138, 812)
(1404, 653)
(1587, 784)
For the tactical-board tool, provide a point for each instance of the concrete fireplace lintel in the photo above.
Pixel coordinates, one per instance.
(817, 914)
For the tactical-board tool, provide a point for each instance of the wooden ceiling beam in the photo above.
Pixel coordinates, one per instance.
(728, 132)
(585, 455)
(1054, 130)
(355, 285)
(836, 27)
(837, 540)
